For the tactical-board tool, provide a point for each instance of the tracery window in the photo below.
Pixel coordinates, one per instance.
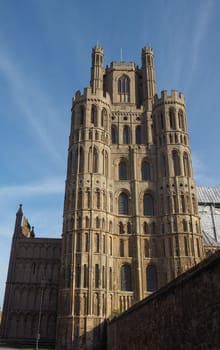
(176, 163)
(123, 170)
(145, 170)
(124, 88)
(151, 273)
(126, 281)
(82, 111)
(114, 134)
(94, 115)
(148, 204)
(172, 118)
(186, 164)
(138, 135)
(126, 138)
(123, 204)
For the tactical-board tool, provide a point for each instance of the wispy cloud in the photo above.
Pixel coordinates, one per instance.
(33, 104)
(47, 186)
(202, 173)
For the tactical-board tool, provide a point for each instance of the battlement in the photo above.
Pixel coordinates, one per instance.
(121, 65)
(175, 96)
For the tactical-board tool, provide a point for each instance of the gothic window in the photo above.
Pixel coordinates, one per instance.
(121, 247)
(78, 275)
(111, 202)
(153, 228)
(95, 160)
(185, 225)
(104, 118)
(121, 228)
(86, 237)
(145, 170)
(172, 118)
(94, 115)
(138, 135)
(126, 138)
(97, 222)
(110, 226)
(161, 121)
(110, 278)
(128, 227)
(126, 282)
(85, 276)
(186, 164)
(103, 276)
(146, 248)
(151, 278)
(96, 276)
(183, 204)
(148, 205)
(123, 204)
(181, 120)
(110, 245)
(186, 246)
(97, 243)
(124, 88)
(130, 247)
(163, 165)
(78, 242)
(176, 163)
(105, 162)
(81, 115)
(114, 134)
(145, 227)
(123, 170)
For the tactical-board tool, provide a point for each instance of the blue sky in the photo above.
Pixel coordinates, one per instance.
(45, 57)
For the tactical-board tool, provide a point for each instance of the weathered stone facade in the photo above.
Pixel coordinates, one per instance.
(185, 314)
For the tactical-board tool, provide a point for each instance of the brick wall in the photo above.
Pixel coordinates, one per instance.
(185, 314)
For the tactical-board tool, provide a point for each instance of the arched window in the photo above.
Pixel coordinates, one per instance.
(148, 205)
(97, 276)
(126, 138)
(81, 160)
(114, 134)
(163, 165)
(124, 88)
(186, 164)
(123, 170)
(95, 160)
(123, 204)
(176, 163)
(151, 278)
(126, 281)
(121, 228)
(94, 115)
(81, 120)
(138, 135)
(185, 226)
(104, 118)
(145, 170)
(128, 227)
(172, 118)
(181, 120)
(145, 227)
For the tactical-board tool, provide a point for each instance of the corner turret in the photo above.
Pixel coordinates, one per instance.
(18, 221)
(148, 71)
(97, 69)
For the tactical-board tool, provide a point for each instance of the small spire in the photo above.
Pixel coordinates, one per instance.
(121, 56)
(32, 232)
(19, 215)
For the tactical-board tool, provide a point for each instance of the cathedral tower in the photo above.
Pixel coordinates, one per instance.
(130, 212)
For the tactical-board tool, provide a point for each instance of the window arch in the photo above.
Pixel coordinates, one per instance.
(95, 160)
(172, 118)
(122, 170)
(126, 132)
(145, 170)
(176, 163)
(186, 164)
(81, 116)
(114, 134)
(123, 84)
(94, 115)
(151, 273)
(138, 135)
(104, 118)
(81, 160)
(126, 281)
(123, 204)
(148, 204)
(181, 120)
(145, 227)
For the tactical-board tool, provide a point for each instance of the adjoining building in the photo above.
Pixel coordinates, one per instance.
(131, 222)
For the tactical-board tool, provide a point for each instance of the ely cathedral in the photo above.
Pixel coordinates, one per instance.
(130, 219)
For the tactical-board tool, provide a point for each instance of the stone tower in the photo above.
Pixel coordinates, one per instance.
(130, 212)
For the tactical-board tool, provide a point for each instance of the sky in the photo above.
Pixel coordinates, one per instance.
(45, 57)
